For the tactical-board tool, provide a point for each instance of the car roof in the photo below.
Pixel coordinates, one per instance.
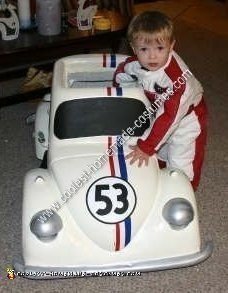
(89, 64)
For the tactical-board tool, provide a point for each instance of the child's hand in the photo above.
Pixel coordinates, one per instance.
(137, 154)
(125, 78)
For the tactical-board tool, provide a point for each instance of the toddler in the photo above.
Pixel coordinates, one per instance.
(178, 132)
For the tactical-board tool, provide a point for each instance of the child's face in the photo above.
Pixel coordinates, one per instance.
(152, 55)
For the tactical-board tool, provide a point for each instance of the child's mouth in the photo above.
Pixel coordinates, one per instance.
(153, 64)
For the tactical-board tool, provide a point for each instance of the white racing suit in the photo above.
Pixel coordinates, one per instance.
(178, 132)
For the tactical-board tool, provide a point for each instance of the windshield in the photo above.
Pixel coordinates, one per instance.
(108, 116)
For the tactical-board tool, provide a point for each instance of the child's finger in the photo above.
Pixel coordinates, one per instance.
(133, 160)
(132, 147)
(128, 156)
(140, 163)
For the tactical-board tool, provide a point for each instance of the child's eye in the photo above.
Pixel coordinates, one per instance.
(143, 49)
(160, 48)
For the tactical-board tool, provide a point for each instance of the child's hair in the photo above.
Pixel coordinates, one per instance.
(151, 26)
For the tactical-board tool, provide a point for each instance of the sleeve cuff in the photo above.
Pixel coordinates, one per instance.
(143, 145)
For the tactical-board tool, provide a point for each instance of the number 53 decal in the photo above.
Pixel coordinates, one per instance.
(111, 200)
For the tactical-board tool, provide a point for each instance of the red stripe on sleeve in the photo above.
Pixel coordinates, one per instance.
(163, 123)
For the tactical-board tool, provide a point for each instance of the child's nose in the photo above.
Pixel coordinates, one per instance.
(152, 54)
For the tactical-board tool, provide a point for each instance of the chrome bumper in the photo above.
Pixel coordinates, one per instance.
(34, 272)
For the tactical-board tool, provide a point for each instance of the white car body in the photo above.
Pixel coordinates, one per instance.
(91, 212)
(41, 127)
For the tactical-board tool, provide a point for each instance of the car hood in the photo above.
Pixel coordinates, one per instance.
(108, 198)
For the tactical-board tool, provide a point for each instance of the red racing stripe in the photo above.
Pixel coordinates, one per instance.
(110, 158)
(117, 246)
(104, 60)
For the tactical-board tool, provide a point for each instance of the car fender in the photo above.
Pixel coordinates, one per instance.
(41, 132)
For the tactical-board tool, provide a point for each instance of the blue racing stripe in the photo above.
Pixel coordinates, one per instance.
(113, 60)
(122, 162)
(127, 230)
(119, 91)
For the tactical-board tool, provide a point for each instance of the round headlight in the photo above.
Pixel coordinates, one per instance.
(46, 230)
(178, 212)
